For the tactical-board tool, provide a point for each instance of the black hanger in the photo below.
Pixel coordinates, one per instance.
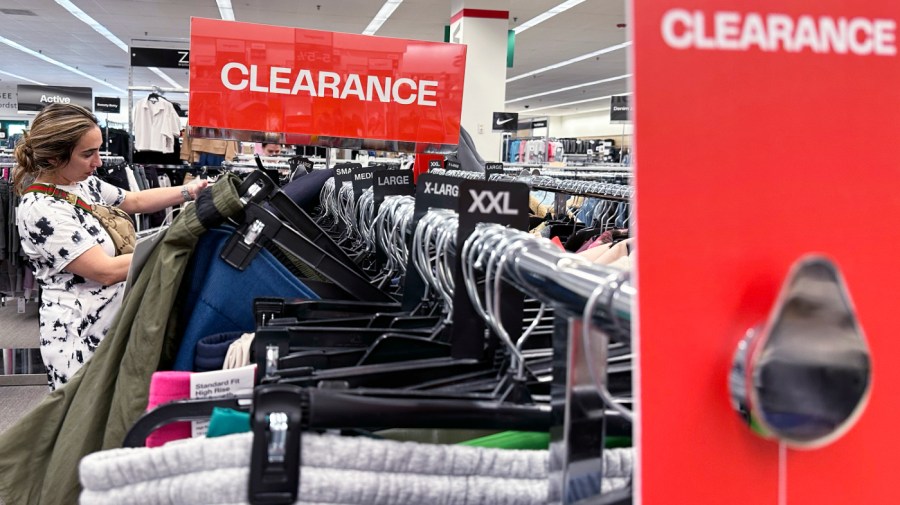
(260, 222)
(361, 408)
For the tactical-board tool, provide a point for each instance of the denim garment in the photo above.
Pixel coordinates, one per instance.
(220, 297)
(586, 213)
(210, 160)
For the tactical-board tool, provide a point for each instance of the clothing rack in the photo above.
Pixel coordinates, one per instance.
(131, 90)
(590, 189)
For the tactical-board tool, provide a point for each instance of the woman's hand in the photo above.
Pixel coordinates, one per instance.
(195, 187)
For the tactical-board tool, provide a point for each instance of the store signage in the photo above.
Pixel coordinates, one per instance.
(492, 168)
(538, 123)
(619, 108)
(108, 104)
(390, 182)
(742, 70)
(324, 86)
(160, 57)
(505, 122)
(8, 102)
(735, 31)
(33, 98)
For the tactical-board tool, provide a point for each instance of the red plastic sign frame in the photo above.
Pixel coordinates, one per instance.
(259, 78)
(764, 131)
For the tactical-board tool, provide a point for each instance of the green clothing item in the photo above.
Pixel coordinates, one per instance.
(227, 422)
(512, 440)
(39, 456)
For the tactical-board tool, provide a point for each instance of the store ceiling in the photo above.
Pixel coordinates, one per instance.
(48, 28)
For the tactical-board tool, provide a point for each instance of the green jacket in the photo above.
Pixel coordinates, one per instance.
(39, 456)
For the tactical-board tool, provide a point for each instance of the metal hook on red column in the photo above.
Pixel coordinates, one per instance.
(805, 375)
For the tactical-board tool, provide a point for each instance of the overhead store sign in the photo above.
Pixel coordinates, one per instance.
(108, 104)
(261, 78)
(8, 103)
(33, 98)
(620, 108)
(505, 121)
(720, 72)
(160, 57)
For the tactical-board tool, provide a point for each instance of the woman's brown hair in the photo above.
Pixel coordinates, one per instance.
(50, 141)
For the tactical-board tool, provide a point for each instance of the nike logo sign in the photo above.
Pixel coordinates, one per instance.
(501, 123)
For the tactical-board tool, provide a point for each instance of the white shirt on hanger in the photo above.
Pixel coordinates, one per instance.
(155, 126)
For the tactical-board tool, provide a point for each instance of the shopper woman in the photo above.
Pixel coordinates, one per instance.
(75, 233)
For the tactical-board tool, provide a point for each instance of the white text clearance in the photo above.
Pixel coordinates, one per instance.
(733, 31)
(281, 80)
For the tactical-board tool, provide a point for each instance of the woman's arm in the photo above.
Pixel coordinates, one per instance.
(152, 200)
(96, 265)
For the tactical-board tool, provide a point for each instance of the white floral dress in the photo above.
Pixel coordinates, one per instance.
(75, 313)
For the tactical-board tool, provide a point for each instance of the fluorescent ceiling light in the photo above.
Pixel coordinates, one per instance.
(568, 4)
(383, 14)
(573, 60)
(99, 28)
(576, 102)
(80, 14)
(225, 10)
(20, 47)
(585, 111)
(164, 77)
(569, 88)
(22, 78)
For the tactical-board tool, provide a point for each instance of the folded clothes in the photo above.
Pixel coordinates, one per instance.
(336, 470)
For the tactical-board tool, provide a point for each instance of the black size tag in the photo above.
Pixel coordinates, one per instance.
(451, 165)
(343, 172)
(304, 164)
(388, 182)
(491, 169)
(432, 164)
(362, 180)
(432, 192)
(503, 203)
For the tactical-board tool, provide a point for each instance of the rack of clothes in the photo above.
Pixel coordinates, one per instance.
(533, 150)
(372, 312)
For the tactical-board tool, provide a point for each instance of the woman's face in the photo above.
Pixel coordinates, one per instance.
(272, 149)
(84, 160)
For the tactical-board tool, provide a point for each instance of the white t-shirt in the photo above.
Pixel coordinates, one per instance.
(76, 313)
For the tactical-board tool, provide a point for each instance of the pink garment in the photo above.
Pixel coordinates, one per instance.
(166, 387)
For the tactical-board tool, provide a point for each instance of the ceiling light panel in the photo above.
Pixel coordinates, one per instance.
(97, 27)
(577, 102)
(570, 61)
(540, 18)
(17, 76)
(32, 52)
(570, 88)
(225, 9)
(383, 14)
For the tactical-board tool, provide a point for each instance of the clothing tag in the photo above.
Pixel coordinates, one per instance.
(219, 384)
(20, 305)
(491, 169)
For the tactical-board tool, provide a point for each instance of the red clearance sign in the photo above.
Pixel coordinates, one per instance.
(787, 113)
(264, 78)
